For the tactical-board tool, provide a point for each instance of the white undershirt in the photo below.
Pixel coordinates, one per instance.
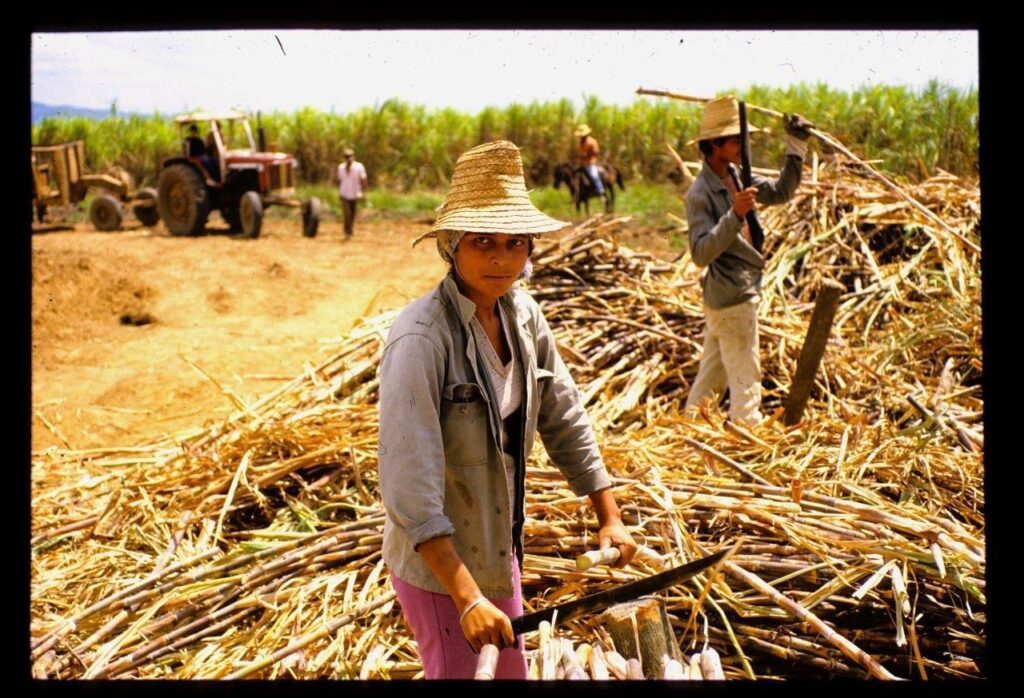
(507, 381)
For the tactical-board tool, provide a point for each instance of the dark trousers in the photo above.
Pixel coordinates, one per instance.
(348, 210)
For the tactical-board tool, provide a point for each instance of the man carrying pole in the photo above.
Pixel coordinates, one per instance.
(726, 238)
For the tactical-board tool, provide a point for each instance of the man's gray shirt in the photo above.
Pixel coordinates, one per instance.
(734, 266)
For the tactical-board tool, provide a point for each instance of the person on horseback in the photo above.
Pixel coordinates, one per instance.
(586, 157)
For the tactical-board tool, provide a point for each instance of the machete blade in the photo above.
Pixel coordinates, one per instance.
(626, 592)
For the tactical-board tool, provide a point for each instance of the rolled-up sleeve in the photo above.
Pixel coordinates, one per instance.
(708, 238)
(410, 449)
(562, 423)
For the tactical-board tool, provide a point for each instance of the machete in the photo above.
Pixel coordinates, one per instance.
(620, 594)
(746, 177)
(600, 601)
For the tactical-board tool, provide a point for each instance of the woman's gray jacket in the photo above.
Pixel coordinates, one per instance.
(441, 472)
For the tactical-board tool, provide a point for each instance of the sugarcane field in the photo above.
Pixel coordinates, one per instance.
(209, 391)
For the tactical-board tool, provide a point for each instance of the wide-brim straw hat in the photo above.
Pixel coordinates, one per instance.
(721, 118)
(488, 195)
(348, 153)
(583, 130)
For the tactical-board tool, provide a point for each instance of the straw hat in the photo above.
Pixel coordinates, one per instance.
(488, 195)
(721, 118)
(348, 153)
(583, 130)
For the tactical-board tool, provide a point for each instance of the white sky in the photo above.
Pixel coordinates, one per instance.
(175, 71)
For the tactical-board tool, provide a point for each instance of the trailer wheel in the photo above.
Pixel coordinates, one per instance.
(250, 211)
(183, 203)
(146, 210)
(311, 217)
(105, 212)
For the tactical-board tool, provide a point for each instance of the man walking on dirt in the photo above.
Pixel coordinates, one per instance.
(720, 239)
(352, 186)
(586, 156)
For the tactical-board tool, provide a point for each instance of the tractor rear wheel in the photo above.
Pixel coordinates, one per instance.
(146, 210)
(105, 212)
(182, 200)
(250, 212)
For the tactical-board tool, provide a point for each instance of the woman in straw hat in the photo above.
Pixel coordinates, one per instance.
(721, 240)
(470, 373)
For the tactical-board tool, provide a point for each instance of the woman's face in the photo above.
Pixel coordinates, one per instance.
(489, 264)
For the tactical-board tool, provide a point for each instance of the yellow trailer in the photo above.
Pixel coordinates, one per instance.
(59, 179)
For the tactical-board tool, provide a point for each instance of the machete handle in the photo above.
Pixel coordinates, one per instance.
(592, 558)
(487, 663)
(609, 556)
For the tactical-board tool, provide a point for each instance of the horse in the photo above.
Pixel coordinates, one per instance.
(582, 188)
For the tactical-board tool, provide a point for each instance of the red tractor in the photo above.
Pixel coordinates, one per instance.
(227, 173)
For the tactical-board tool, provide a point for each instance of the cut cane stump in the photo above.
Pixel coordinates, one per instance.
(643, 622)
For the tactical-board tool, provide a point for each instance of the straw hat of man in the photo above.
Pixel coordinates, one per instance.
(721, 119)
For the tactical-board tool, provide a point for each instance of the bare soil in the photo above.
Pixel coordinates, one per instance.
(116, 317)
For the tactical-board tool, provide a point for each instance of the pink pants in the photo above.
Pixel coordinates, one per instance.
(443, 648)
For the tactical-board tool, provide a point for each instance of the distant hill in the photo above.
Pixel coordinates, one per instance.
(40, 111)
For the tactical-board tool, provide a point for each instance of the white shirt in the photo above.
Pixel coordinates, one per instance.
(350, 183)
(507, 379)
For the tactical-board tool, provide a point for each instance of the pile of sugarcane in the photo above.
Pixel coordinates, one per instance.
(630, 326)
(558, 658)
(251, 548)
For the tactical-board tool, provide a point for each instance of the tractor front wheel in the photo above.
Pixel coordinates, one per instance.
(250, 212)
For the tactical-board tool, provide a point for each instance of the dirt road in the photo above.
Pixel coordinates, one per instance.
(250, 313)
